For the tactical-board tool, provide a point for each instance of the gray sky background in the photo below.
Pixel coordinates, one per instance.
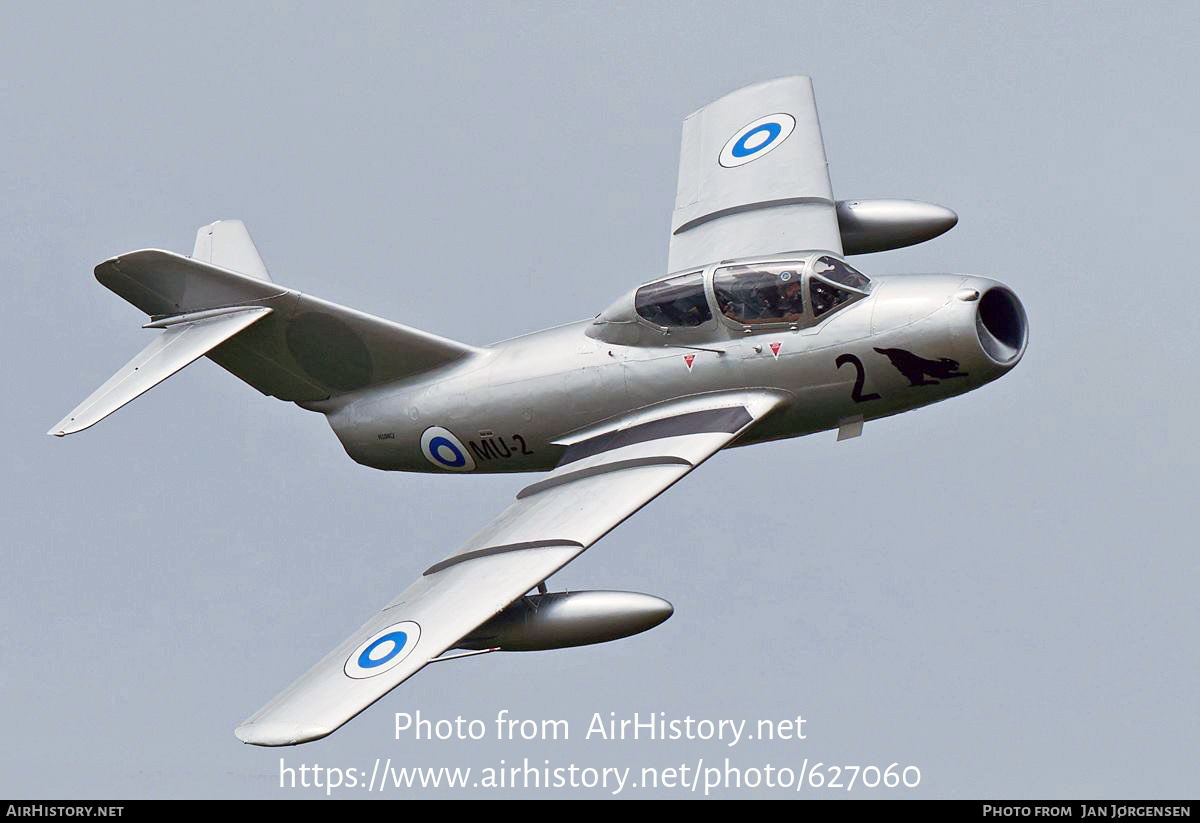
(1000, 590)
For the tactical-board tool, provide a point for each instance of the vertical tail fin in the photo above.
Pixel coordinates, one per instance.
(227, 244)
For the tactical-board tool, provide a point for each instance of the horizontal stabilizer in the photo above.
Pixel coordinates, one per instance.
(308, 350)
(184, 339)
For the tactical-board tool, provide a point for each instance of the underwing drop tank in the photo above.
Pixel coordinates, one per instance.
(561, 619)
(868, 226)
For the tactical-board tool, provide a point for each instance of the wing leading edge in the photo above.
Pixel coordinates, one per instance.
(605, 475)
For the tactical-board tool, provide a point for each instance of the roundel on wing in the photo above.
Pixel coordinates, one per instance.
(444, 450)
(753, 140)
(383, 650)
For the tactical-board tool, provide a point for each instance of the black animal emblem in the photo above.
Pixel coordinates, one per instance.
(917, 368)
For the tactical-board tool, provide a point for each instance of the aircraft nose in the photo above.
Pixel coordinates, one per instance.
(1000, 322)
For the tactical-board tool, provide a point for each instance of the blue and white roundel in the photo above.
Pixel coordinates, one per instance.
(383, 650)
(444, 450)
(752, 141)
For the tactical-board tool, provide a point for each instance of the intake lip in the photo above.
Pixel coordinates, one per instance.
(1001, 325)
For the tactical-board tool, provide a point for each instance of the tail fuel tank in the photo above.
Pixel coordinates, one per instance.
(561, 619)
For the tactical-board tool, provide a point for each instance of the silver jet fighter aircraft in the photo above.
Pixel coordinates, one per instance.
(762, 331)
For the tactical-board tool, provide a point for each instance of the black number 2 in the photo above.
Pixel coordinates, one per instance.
(861, 375)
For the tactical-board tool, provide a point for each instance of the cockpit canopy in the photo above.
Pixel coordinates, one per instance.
(795, 292)
(676, 301)
(754, 294)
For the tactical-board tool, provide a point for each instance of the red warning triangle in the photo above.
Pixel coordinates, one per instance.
(689, 359)
(775, 347)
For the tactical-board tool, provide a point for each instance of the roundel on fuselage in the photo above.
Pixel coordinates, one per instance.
(444, 450)
(753, 140)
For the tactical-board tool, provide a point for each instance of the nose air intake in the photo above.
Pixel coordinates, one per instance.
(1001, 325)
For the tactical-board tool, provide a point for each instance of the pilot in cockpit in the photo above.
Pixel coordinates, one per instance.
(793, 299)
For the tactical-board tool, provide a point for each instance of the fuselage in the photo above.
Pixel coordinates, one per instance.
(911, 341)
